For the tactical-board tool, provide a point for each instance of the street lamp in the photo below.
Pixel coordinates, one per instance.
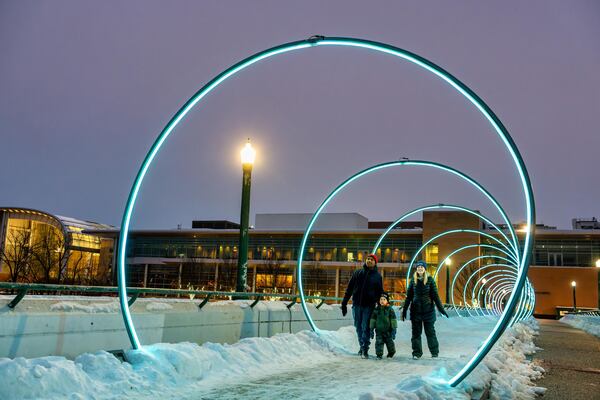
(448, 263)
(248, 154)
(574, 284)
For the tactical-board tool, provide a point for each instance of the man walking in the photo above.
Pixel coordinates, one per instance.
(365, 288)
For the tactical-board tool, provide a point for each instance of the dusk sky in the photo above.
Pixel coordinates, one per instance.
(86, 87)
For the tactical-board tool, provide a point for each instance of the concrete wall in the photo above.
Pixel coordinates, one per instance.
(69, 326)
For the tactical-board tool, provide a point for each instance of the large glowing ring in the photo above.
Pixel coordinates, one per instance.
(372, 169)
(317, 41)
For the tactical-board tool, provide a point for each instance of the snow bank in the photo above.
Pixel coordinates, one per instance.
(162, 367)
(505, 370)
(588, 323)
(158, 306)
(186, 369)
(69, 306)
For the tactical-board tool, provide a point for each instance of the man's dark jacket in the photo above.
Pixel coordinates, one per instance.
(365, 287)
(421, 297)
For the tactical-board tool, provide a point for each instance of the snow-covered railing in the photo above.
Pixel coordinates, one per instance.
(594, 312)
(22, 289)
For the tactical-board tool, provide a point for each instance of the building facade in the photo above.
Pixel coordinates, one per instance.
(36, 246)
(206, 258)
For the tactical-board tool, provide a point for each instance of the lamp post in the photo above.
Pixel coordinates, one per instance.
(448, 263)
(574, 285)
(247, 155)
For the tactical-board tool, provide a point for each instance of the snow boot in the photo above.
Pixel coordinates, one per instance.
(390, 355)
(360, 352)
(379, 357)
(416, 357)
(365, 354)
(434, 356)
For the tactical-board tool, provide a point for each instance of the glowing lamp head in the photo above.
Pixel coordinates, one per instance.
(573, 283)
(248, 154)
(598, 263)
(448, 261)
(525, 228)
(484, 281)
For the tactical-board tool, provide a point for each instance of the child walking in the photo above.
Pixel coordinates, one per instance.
(384, 323)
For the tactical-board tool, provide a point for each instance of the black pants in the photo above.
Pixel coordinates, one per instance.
(384, 339)
(432, 342)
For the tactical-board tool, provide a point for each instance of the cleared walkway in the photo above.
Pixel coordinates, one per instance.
(571, 358)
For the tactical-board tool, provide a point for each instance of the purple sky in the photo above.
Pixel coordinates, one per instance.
(85, 88)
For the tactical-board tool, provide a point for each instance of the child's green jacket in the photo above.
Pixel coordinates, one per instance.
(383, 319)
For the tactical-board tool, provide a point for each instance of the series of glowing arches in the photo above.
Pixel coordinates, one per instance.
(512, 303)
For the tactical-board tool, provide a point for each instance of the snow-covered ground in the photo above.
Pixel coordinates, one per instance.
(291, 366)
(588, 323)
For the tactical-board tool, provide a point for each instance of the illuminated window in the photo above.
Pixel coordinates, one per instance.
(432, 254)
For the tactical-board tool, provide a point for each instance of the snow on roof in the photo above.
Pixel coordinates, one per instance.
(80, 225)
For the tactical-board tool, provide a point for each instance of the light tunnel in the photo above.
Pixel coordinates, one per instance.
(522, 257)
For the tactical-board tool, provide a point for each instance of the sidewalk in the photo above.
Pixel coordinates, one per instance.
(571, 358)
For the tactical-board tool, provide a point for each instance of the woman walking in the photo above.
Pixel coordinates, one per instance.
(421, 296)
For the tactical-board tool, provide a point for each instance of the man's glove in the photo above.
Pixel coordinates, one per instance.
(372, 333)
(403, 315)
(445, 314)
(394, 334)
(344, 309)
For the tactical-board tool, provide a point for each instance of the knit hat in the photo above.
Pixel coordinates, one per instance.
(374, 257)
(421, 263)
(386, 295)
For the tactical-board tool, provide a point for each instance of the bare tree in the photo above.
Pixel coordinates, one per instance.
(73, 268)
(49, 256)
(16, 253)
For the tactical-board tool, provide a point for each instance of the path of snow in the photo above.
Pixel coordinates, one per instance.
(298, 366)
(588, 323)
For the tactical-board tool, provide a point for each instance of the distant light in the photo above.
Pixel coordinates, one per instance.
(598, 263)
(248, 154)
(573, 283)
(484, 281)
(448, 261)
(524, 229)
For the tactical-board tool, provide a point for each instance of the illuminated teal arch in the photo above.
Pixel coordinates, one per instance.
(493, 264)
(499, 285)
(503, 283)
(481, 288)
(511, 270)
(459, 270)
(513, 253)
(470, 246)
(490, 277)
(529, 293)
(318, 41)
(529, 298)
(479, 279)
(449, 232)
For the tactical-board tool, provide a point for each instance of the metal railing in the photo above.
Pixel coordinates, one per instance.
(22, 289)
(592, 312)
